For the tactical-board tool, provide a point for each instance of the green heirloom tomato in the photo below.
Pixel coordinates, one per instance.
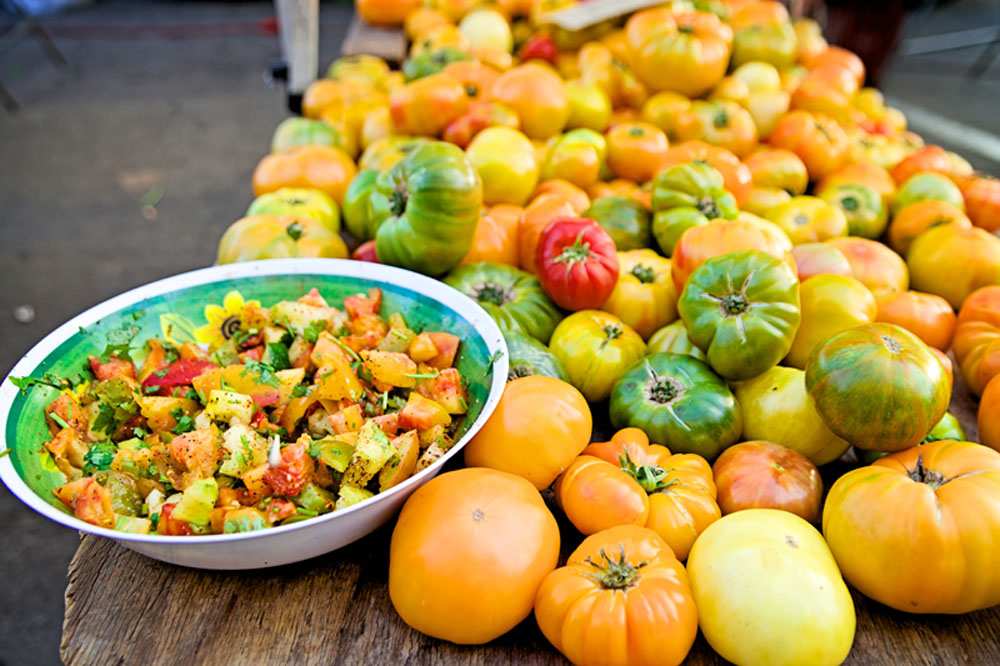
(528, 356)
(742, 310)
(685, 196)
(357, 217)
(292, 132)
(878, 386)
(625, 219)
(299, 201)
(514, 298)
(947, 428)
(426, 208)
(431, 62)
(678, 401)
(927, 186)
(673, 338)
(596, 348)
(776, 408)
(862, 206)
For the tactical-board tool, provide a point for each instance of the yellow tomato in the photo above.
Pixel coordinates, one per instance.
(596, 349)
(809, 219)
(766, 108)
(486, 29)
(589, 106)
(671, 112)
(830, 304)
(644, 296)
(762, 200)
(777, 408)
(758, 76)
(768, 591)
(505, 160)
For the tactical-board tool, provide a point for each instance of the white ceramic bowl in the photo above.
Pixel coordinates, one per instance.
(414, 294)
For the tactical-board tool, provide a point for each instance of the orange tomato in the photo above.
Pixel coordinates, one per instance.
(538, 96)
(862, 173)
(828, 90)
(475, 77)
(699, 244)
(927, 316)
(735, 174)
(834, 56)
(577, 197)
(989, 415)
(934, 159)
(778, 168)
(977, 338)
(953, 262)
(385, 12)
(426, 106)
(684, 52)
(764, 475)
(671, 112)
(496, 236)
(982, 202)
(465, 537)
(818, 140)
(323, 95)
(539, 427)
(918, 217)
(422, 20)
(317, 167)
(636, 150)
(596, 495)
(590, 608)
(680, 486)
(758, 13)
(809, 36)
(875, 265)
(725, 124)
(537, 215)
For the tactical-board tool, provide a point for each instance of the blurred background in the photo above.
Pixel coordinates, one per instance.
(137, 127)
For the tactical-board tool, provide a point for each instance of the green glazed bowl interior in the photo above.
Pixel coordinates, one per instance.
(425, 304)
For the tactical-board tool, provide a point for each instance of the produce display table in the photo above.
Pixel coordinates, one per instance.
(124, 608)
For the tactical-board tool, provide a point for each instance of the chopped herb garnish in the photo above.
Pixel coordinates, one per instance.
(48, 380)
(422, 375)
(119, 342)
(139, 432)
(497, 355)
(300, 391)
(154, 521)
(151, 389)
(184, 422)
(277, 356)
(191, 394)
(311, 334)
(265, 373)
(98, 457)
(307, 513)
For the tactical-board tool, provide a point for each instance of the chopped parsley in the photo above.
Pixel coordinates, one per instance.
(98, 457)
(119, 342)
(48, 380)
(311, 334)
(58, 419)
(277, 356)
(185, 423)
(300, 391)
(139, 432)
(117, 405)
(423, 375)
(265, 373)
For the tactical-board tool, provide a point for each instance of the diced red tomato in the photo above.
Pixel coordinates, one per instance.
(113, 367)
(89, 500)
(446, 389)
(178, 373)
(366, 252)
(278, 509)
(314, 298)
(447, 346)
(266, 398)
(360, 305)
(169, 525)
(252, 354)
(389, 423)
(291, 475)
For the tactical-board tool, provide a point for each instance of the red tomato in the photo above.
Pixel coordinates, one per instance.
(289, 477)
(366, 252)
(170, 526)
(765, 475)
(539, 47)
(578, 264)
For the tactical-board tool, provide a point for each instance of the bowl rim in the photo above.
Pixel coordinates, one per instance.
(436, 290)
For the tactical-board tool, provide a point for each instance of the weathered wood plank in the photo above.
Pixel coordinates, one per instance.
(124, 608)
(386, 43)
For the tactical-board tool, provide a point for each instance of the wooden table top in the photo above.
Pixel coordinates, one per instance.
(124, 608)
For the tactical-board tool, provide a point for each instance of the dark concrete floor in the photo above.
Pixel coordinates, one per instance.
(137, 116)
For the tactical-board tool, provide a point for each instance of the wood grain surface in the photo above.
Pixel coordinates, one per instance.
(122, 608)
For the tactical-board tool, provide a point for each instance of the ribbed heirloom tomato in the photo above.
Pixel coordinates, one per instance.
(808, 219)
(812, 259)
(465, 537)
(918, 217)
(577, 263)
(735, 174)
(917, 529)
(977, 338)
(621, 600)
(875, 265)
(816, 139)
(495, 239)
(636, 150)
(989, 415)
(278, 237)
(537, 95)
(765, 475)
(685, 196)
(596, 349)
(953, 262)
(644, 296)
(539, 427)
(317, 167)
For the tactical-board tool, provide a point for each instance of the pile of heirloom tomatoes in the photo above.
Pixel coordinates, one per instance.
(696, 220)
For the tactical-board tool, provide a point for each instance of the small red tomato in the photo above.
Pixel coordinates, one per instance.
(539, 47)
(765, 475)
(577, 263)
(366, 252)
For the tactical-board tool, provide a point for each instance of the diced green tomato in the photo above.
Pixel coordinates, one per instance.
(371, 453)
(299, 316)
(133, 524)
(397, 340)
(351, 495)
(403, 463)
(315, 499)
(197, 502)
(335, 454)
(246, 519)
(125, 498)
(228, 405)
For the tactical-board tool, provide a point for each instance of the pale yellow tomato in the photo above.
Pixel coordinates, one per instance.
(486, 29)
(768, 591)
(830, 304)
(808, 219)
(589, 106)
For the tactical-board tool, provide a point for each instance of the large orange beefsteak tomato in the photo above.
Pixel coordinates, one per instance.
(538, 96)
(917, 530)
(468, 554)
(540, 426)
(622, 599)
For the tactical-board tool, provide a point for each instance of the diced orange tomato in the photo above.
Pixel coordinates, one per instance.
(337, 381)
(347, 419)
(113, 367)
(446, 389)
(389, 423)
(89, 500)
(170, 526)
(392, 368)
(421, 412)
(447, 346)
(360, 305)
(422, 348)
(398, 470)
(278, 509)
(197, 452)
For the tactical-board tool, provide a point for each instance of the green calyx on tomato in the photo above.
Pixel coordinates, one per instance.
(643, 273)
(650, 478)
(625, 220)
(425, 209)
(678, 400)
(742, 310)
(514, 298)
(866, 214)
